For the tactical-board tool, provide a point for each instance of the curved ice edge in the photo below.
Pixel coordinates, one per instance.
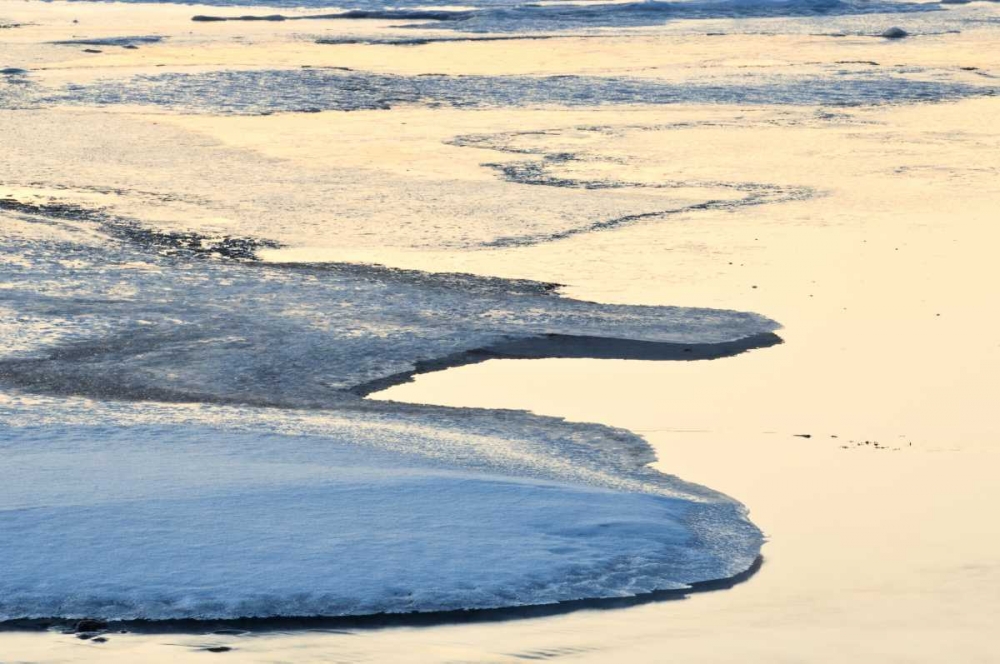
(353, 14)
(484, 316)
(561, 346)
(717, 526)
(628, 454)
(237, 626)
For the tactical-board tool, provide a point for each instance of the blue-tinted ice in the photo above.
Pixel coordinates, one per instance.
(271, 487)
(257, 92)
(187, 425)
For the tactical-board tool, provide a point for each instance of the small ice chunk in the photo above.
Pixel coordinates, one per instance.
(895, 33)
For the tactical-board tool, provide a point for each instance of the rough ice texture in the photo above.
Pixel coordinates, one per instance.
(293, 336)
(126, 522)
(497, 17)
(511, 15)
(269, 486)
(253, 92)
(330, 504)
(529, 17)
(262, 483)
(575, 183)
(111, 41)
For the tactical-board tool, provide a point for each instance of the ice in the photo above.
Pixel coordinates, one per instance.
(649, 12)
(192, 522)
(270, 487)
(111, 41)
(255, 92)
(525, 18)
(184, 327)
(160, 174)
(528, 17)
(512, 16)
(184, 426)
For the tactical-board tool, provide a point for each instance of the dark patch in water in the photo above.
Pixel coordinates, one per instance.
(536, 173)
(499, 16)
(421, 41)
(539, 172)
(171, 243)
(628, 219)
(64, 211)
(110, 41)
(355, 14)
(166, 243)
(90, 625)
(217, 19)
(566, 347)
(895, 33)
(637, 14)
(760, 194)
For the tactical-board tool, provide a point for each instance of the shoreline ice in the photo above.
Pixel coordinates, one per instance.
(124, 509)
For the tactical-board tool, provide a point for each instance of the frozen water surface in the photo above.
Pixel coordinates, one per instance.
(240, 92)
(224, 331)
(190, 521)
(512, 16)
(249, 510)
(185, 521)
(501, 15)
(187, 425)
(574, 183)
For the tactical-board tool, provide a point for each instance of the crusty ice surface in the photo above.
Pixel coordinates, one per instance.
(370, 513)
(181, 172)
(377, 508)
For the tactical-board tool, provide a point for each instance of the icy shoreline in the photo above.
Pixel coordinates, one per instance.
(124, 509)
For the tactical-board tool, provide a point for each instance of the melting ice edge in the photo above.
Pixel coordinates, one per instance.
(188, 437)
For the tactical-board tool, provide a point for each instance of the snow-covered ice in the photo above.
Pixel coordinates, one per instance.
(271, 487)
(187, 521)
(133, 323)
(239, 92)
